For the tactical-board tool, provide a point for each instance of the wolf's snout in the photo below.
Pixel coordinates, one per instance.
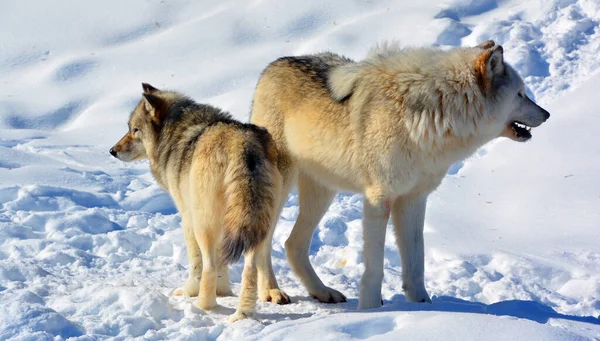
(113, 152)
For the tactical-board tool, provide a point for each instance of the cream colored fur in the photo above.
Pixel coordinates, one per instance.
(387, 127)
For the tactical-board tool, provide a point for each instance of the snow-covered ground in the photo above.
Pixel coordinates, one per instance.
(91, 248)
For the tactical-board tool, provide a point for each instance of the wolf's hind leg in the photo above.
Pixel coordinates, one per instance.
(314, 201)
(192, 285)
(207, 240)
(248, 294)
(268, 289)
(408, 215)
(223, 284)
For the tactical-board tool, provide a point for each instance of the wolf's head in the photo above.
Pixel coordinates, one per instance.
(449, 99)
(500, 82)
(145, 123)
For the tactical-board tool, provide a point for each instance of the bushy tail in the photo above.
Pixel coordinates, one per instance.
(251, 187)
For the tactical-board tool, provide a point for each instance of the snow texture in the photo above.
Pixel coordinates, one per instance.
(91, 248)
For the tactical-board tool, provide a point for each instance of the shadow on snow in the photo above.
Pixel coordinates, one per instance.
(529, 310)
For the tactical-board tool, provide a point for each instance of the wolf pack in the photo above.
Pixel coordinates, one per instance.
(387, 127)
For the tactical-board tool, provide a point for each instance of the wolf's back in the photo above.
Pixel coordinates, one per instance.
(251, 185)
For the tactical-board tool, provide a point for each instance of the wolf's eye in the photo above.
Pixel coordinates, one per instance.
(135, 130)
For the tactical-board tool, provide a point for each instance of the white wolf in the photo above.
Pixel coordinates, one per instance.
(388, 127)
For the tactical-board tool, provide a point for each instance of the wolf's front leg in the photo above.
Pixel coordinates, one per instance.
(376, 213)
(192, 285)
(408, 215)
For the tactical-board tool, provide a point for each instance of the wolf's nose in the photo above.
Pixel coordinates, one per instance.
(546, 115)
(113, 152)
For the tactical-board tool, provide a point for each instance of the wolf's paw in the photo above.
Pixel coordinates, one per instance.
(329, 295)
(190, 288)
(205, 304)
(275, 296)
(369, 303)
(417, 295)
(366, 304)
(238, 315)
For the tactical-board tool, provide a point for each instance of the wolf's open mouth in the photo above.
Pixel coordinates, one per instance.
(521, 132)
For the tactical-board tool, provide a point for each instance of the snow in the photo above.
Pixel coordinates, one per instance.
(91, 248)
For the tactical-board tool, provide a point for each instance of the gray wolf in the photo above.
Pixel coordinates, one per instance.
(388, 127)
(224, 180)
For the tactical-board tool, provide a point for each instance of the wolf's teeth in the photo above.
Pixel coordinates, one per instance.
(521, 126)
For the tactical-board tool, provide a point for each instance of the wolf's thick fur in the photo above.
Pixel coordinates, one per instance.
(388, 127)
(223, 177)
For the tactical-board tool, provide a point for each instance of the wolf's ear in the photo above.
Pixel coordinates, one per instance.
(490, 63)
(495, 61)
(155, 106)
(148, 89)
(486, 44)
